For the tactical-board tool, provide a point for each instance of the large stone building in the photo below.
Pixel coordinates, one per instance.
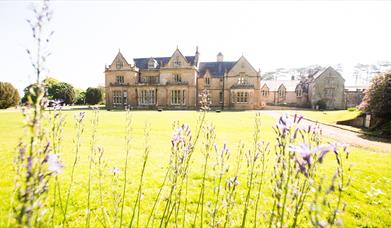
(176, 82)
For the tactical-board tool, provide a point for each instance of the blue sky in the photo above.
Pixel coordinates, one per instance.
(270, 34)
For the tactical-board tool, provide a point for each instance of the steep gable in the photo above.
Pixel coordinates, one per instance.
(243, 65)
(119, 62)
(178, 60)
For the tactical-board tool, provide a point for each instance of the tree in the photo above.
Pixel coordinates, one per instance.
(63, 91)
(49, 84)
(94, 96)
(80, 97)
(377, 99)
(9, 95)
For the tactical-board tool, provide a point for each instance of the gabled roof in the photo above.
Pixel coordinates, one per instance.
(120, 57)
(216, 69)
(273, 85)
(320, 72)
(142, 63)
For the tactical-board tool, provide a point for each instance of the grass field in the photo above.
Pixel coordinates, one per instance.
(368, 198)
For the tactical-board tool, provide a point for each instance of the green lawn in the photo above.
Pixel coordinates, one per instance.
(368, 199)
(330, 116)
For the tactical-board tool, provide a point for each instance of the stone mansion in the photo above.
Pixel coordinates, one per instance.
(175, 82)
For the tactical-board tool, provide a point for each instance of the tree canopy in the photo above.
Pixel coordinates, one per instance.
(94, 96)
(9, 95)
(377, 98)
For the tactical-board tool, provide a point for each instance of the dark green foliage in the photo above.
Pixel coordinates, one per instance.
(63, 91)
(94, 96)
(321, 104)
(9, 96)
(80, 97)
(377, 99)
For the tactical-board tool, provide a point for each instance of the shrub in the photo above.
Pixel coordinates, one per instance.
(9, 96)
(93, 96)
(321, 104)
(352, 109)
(63, 91)
(80, 97)
(377, 100)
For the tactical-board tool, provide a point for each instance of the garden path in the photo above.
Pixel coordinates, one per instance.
(345, 136)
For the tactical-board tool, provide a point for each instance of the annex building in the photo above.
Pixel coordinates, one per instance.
(175, 82)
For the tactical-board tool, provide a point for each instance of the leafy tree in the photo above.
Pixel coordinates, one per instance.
(9, 95)
(50, 83)
(63, 91)
(94, 96)
(377, 99)
(80, 97)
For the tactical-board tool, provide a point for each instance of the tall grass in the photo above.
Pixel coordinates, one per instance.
(300, 195)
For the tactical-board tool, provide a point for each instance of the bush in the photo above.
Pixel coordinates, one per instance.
(63, 91)
(9, 96)
(377, 99)
(352, 109)
(93, 96)
(321, 104)
(80, 97)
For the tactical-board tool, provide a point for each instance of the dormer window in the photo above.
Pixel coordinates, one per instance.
(177, 78)
(120, 64)
(152, 64)
(281, 92)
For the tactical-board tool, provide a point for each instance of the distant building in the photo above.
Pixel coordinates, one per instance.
(354, 95)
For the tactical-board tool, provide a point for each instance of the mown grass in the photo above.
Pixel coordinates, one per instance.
(369, 196)
(330, 116)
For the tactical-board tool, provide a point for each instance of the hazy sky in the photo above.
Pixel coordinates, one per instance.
(270, 34)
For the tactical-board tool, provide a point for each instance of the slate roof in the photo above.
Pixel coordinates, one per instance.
(142, 63)
(216, 69)
(273, 85)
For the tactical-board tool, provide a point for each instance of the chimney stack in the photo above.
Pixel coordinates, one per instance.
(220, 57)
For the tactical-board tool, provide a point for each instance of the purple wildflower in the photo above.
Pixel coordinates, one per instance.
(115, 170)
(54, 164)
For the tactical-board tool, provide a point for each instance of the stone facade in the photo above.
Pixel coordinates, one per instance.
(152, 82)
(176, 82)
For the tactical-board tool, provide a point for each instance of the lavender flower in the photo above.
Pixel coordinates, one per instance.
(115, 170)
(54, 164)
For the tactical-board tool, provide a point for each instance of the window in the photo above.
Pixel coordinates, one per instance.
(207, 81)
(281, 92)
(177, 78)
(147, 97)
(299, 92)
(177, 63)
(119, 79)
(329, 92)
(117, 97)
(221, 97)
(242, 79)
(149, 79)
(177, 97)
(152, 64)
(265, 92)
(241, 97)
(125, 98)
(120, 64)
